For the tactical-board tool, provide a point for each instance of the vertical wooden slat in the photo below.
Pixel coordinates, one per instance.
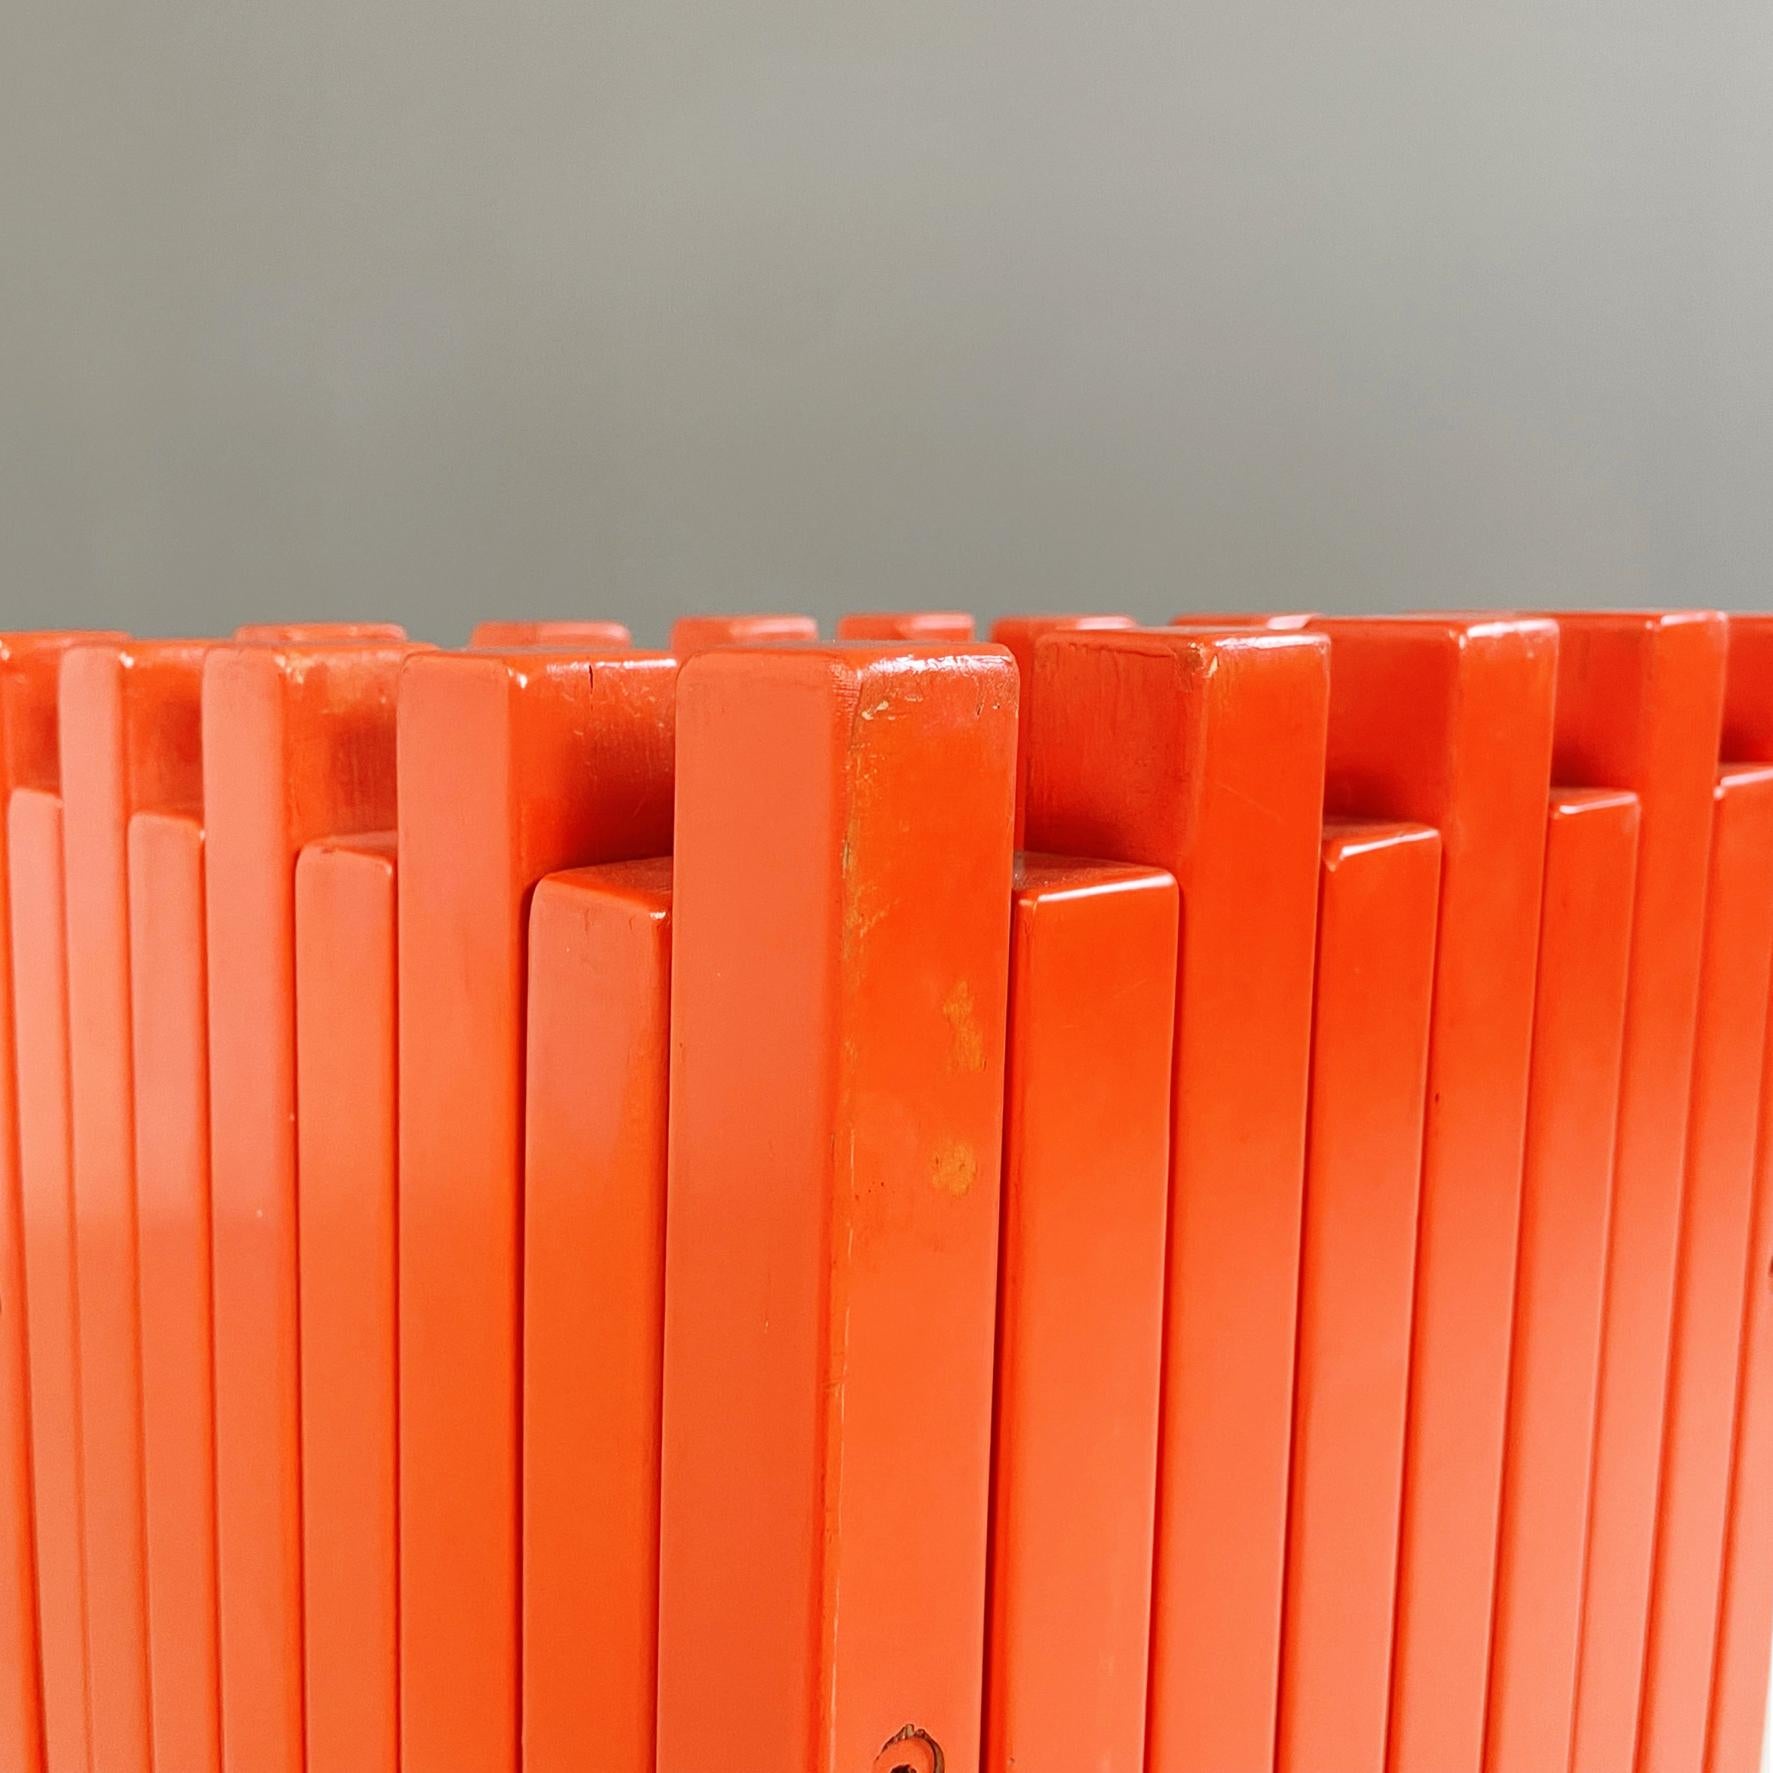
(1377, 907)
(1640, 695)
(46, 1188)
(511, 767)
(129, 735)
(1736, 965)
(1080, 1307)
(29, 676)
(503, 633)
(1203, 754)
(598, 1062)
(1738, 1711)
(345, 1131)
(1021, 634)
(840, 951)
(699, 634)
(171, 1051)
(950, 626)
(1566, 1201)
(298, 743)
(1447, 720)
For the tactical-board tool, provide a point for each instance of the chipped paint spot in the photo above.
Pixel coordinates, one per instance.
(954, 1169)
(969, 1043)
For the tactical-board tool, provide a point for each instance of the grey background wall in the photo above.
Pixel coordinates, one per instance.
(431, 308)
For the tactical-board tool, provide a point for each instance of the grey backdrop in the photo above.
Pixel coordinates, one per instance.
(430, 308)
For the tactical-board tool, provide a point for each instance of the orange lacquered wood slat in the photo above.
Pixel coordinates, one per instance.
(1711, 1268)
(930, 625)
(1447, 720)
(1737, 1717)
(298, 743)
(840, 947)
(46, 1189)
(345, 1123)
(598, 1061)
(1377, 907)
(1203, 754)
(1277, 621)
(21, 1704)
(318, 633)
(552, 631)
(1019, 633)
(171, 1062)
(1738, 1709)
(29, 674)
(698, 634)
(1566, 1194)
(1736, 1726)
(1080, 1302)
(129, 731)
(511, 767)
(1639, 700)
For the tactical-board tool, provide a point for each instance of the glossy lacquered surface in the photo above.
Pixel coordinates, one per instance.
(1277, 621)
(839, 966)
(276, 634)
(559, 631)
(170, 1046)
(1080, 1314)
(1738, 1708)
(345, 1130)
(698, 634)
(129, 740)
(1377, 911)
(1736, 962)
(511, 766)
(1737, 1711)
(1203, 755)
(1021, 634)
(298, 743)
(1591, 849)
(29, 677)
(1448, 720)
(46, 1192)
(952, 626)
(1639, 701)
(598, 1057)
